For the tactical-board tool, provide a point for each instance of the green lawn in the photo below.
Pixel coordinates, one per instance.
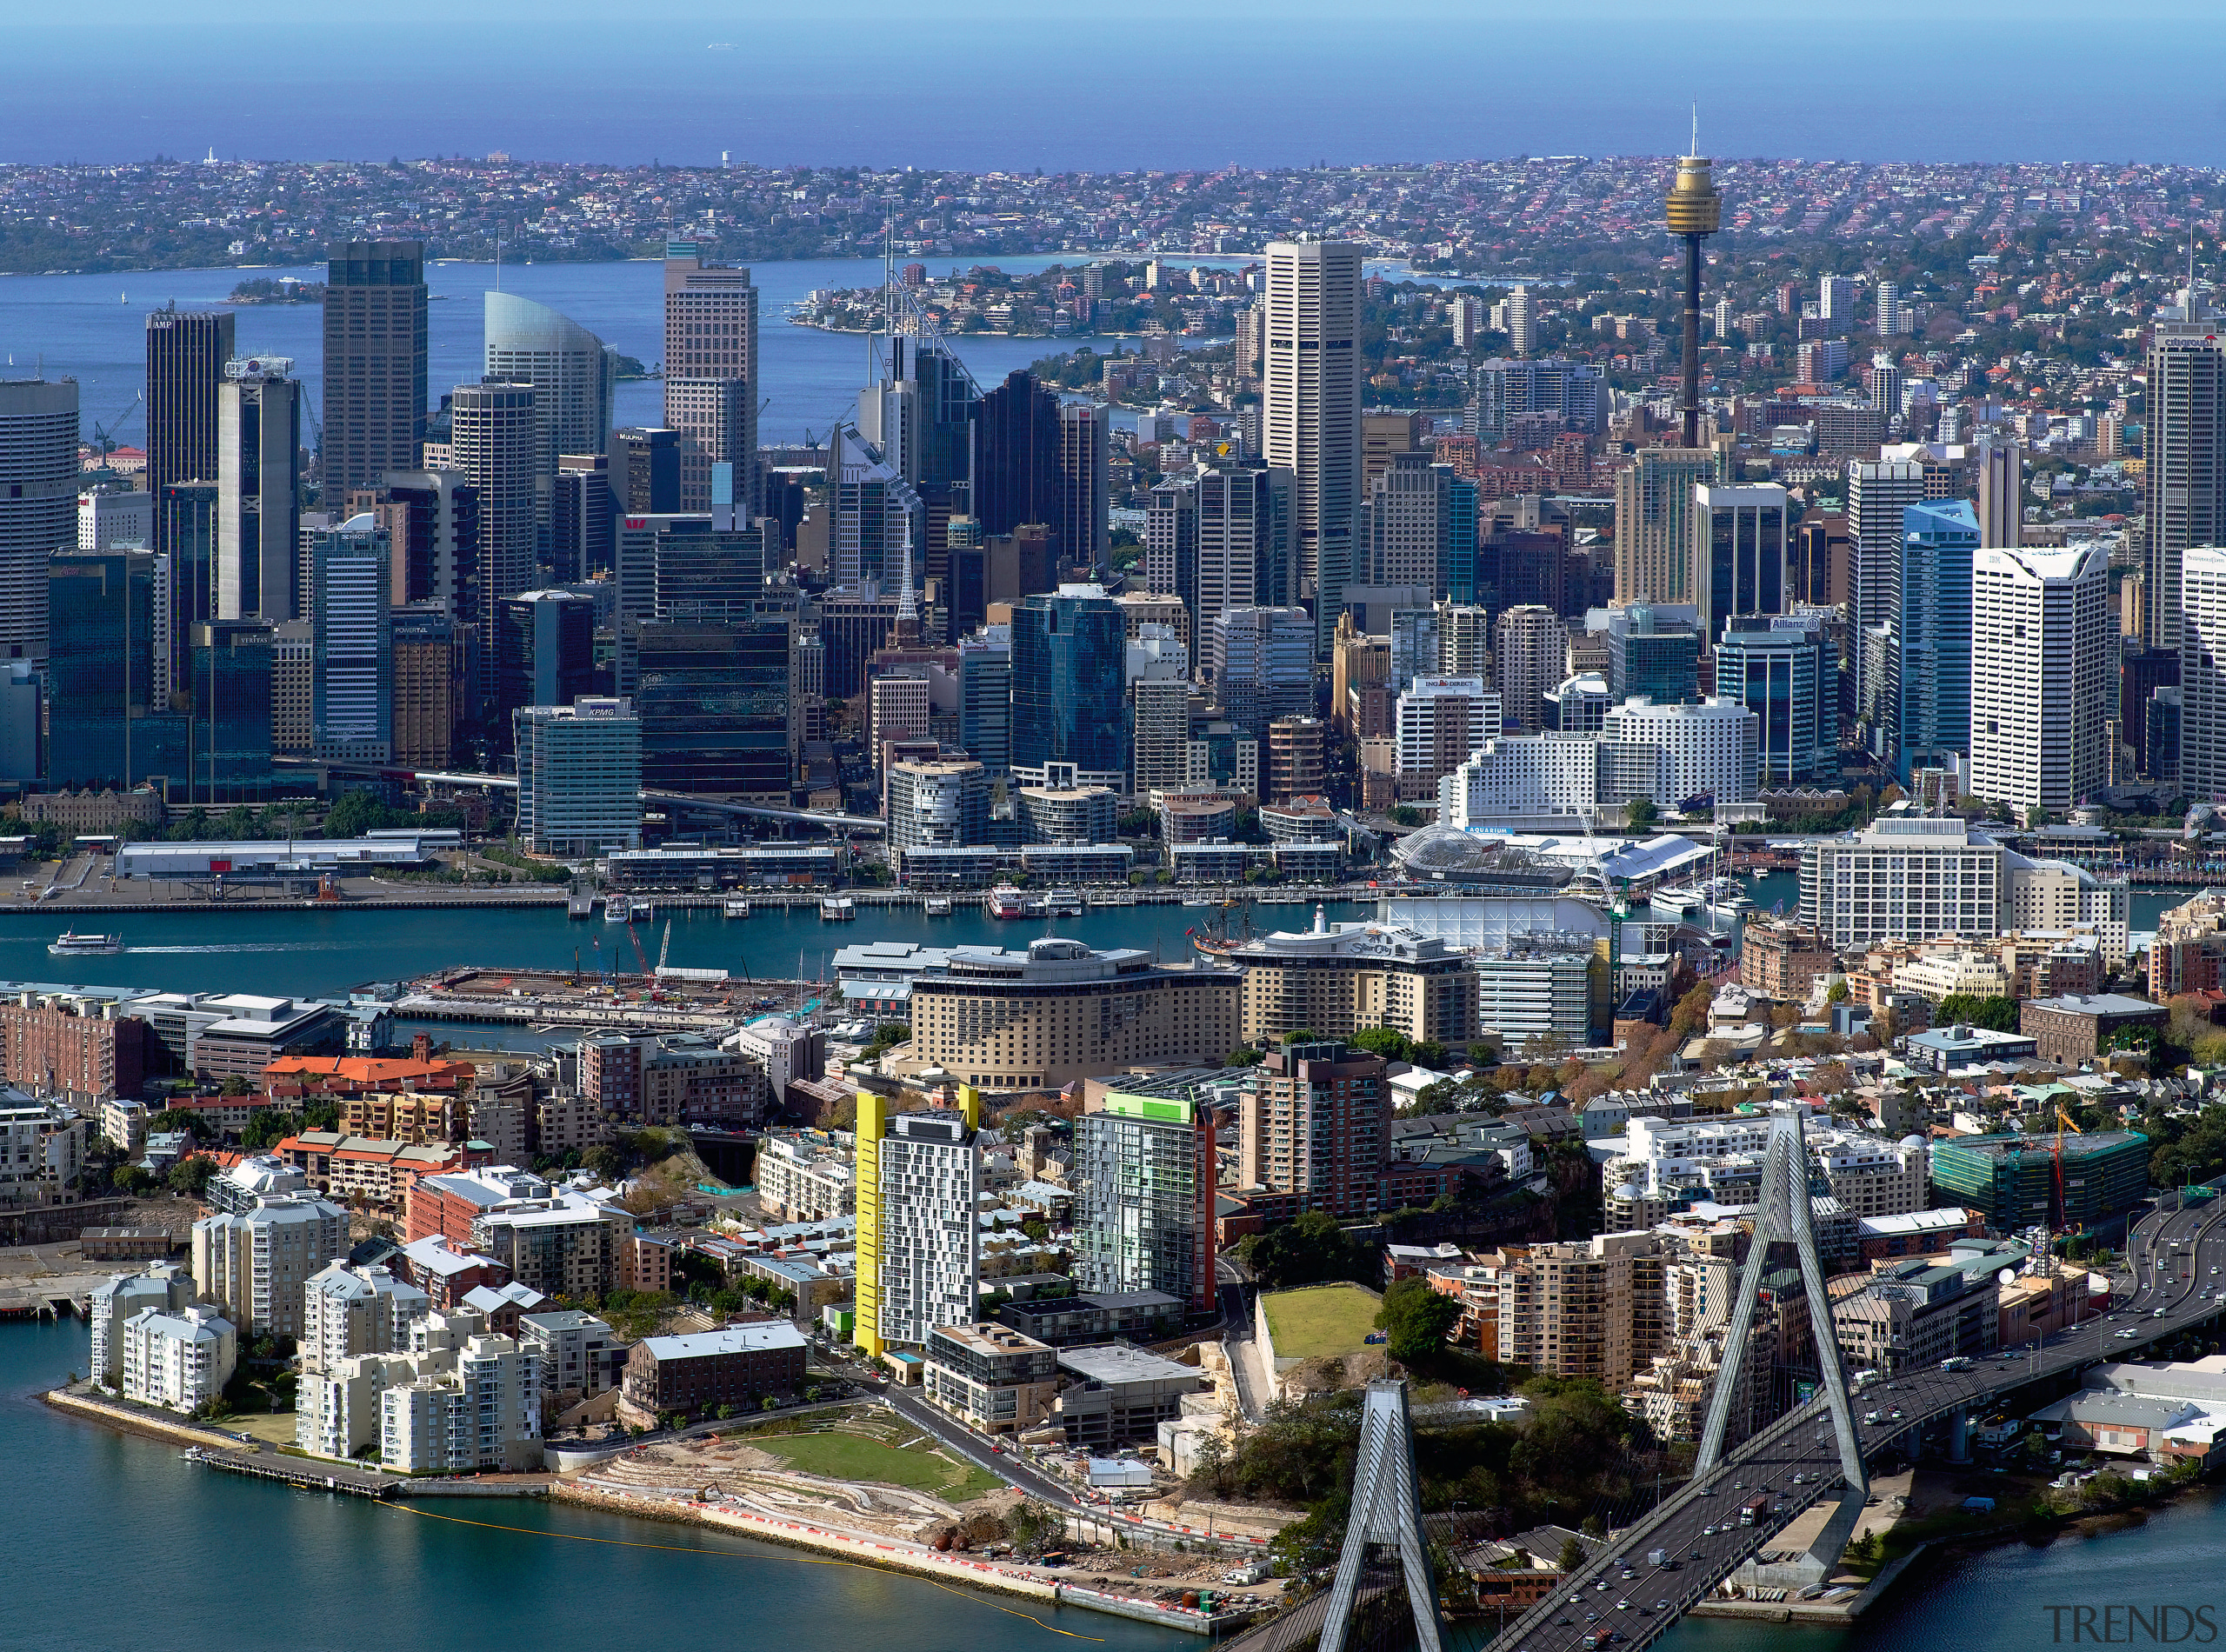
(848, 1456)
(1317, 1321)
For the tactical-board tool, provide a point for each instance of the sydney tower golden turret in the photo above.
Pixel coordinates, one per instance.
(1694, 211)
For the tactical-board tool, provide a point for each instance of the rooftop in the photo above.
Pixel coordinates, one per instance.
(735, 1339)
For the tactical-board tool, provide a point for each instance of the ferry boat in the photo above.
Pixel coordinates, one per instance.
(616, 908)
(937, 906)
(735, 907)
(1066, 903)
(69, 941)
(1006, 901)
(837, 909)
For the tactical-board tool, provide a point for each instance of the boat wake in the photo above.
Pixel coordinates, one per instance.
(250, 946)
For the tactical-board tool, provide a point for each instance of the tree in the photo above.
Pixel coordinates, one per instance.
(190, 1176)
(1242, 1055)
(1415, 1320)
(1995, 1011)
(1302, 1252)
(179, 1118)
(1572, 1554)
(1640, 814)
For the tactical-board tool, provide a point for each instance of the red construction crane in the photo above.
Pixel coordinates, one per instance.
(642, 958)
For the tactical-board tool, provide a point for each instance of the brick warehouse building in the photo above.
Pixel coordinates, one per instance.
(2071, 1030)
(736, 1366)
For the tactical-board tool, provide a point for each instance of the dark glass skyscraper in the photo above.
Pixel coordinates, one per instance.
(374, 364)
(547, 651)
(107, 723)
(228, 747)
(1017, 457)
(715, 707)
(186, 353)
(1067, 658)
(186, 528)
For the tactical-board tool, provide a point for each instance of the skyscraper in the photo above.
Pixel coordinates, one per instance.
(494, 439)
(1143, 1197)
(2001, 467)
(1083, 486)
(1311, 409)
(258, 490)
(374, 362)
(352, 720)
(985, 699)
(717, 713)
(105, 713)
(1069, 649)
(1017, 448)
(2040, 696)
(1262, 662)
(39, 504)
(186, 515)
(1877, 493)
(645, 467)
(2184, 480)
(1242, 538)
(1407, 532)
(579, 777)
(186, 354)
(1532, 652)
(1739, 553)
(875, 515)
(1654, 511)
(1939, 541)
(228, 741)
(711, 383)
(575, 376)
(1779, 668)
(2200, 750)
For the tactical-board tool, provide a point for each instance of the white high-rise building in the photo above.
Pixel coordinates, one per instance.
(1439, 721)
(1903, 877)
(109, 520)
(347, 1311)
(1309, 407)
(1713, 748)
(2201, 641)
(494, 439)
(255, 1264)
(165, 1286)
(181, 1361)
(2042, 688)
(1522, 325)
(1836, 297)
(929, 1179)
(575, 376)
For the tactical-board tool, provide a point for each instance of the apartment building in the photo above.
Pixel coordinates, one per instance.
(1338, 979)
(179, 1360)
(1585, 1308)
(991, 1377)
(256, 1264)
(1314, 1128)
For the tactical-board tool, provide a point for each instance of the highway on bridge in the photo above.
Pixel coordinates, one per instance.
(1624, 1602)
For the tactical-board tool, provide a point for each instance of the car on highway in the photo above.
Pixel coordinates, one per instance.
(1662, 1606)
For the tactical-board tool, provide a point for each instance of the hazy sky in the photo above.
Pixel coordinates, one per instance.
(1146, 83)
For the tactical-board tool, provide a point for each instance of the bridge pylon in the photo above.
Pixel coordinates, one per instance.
(1784, 1218)
(1386, 1509)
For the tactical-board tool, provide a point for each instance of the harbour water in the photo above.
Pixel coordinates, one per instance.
(113, 1542)
(93, 328)
(323, 954)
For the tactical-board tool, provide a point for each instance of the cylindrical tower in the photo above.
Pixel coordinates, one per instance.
(1694, 211)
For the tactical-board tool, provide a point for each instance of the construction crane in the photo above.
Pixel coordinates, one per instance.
(665, 950)
(2064, 1122)
(104, 435)
(642, 958)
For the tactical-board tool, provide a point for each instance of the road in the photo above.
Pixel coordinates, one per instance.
(2174, 1262)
